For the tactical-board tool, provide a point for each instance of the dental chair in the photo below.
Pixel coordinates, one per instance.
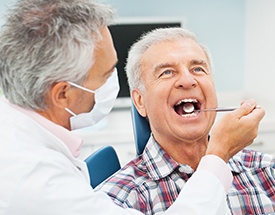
(102, 164)
(142, 130)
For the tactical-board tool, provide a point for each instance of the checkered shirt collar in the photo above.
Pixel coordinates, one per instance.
(160, 164)
(157, 161)
(247, 159)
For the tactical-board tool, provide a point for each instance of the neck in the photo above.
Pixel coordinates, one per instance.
(189, 153)
(55, 116)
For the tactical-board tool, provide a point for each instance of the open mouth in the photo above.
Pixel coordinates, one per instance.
(187, 107)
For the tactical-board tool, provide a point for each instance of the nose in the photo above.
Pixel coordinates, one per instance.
(185, 79)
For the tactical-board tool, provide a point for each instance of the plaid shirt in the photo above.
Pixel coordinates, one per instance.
(151, 182)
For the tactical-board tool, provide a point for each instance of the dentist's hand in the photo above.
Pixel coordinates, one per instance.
(235, 130)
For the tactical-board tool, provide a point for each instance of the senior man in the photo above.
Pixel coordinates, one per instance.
(57, 74)
(171, 81)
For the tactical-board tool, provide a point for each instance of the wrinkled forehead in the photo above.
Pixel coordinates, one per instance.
(174, 52)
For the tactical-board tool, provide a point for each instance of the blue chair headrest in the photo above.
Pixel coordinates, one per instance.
(142, 130)
(102, 164)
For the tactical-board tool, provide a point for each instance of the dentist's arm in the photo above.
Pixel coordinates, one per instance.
(235, 130)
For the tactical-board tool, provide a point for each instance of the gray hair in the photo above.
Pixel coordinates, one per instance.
(48, 41)
(133, 66)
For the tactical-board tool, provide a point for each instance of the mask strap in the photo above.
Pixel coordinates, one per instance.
(68, 110)
(80, 87)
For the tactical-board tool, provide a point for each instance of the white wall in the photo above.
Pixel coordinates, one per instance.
(3, 7)
(260, 54)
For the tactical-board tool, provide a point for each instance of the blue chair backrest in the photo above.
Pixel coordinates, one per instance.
(142, 130)
(102, 164)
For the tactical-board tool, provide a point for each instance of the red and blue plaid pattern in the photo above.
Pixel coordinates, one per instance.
(151, 182)
(253, 189)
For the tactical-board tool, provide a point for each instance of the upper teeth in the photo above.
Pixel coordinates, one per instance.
(187, 100)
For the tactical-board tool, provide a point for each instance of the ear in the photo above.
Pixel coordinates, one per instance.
(138, 100)
(59, 94)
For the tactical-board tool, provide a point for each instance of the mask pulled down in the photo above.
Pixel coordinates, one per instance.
(105, 97)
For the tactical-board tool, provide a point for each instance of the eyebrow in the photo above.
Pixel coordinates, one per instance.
(199, 62)
(163, 65)
(192, 63)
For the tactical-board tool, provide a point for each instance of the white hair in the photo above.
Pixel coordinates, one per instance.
(133, 66)
(45, 42)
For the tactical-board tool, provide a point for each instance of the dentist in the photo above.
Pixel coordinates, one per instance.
(57, 74)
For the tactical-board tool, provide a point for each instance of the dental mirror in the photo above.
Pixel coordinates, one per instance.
(188, 107)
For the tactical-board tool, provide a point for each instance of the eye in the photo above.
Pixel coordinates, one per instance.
(166, 73)
(198, 69)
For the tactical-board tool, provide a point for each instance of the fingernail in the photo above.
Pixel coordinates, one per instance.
(251, 102)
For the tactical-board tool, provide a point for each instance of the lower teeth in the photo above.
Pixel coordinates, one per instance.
(188, 115)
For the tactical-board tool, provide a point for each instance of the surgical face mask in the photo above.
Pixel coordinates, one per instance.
(105, 97)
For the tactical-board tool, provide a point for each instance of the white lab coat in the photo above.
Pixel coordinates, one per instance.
(39, 176)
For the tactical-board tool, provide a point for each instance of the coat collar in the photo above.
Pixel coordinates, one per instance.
(73, 142)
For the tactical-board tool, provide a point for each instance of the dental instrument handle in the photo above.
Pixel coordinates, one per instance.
(223, 109)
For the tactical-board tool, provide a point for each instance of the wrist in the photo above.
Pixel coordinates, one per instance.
(218, 152)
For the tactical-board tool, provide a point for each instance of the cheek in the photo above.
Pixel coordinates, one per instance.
(84, 102)
(156, 100)
(157, 94)
(208, 87)
(214, 96)
(90, 102)
(211, 96)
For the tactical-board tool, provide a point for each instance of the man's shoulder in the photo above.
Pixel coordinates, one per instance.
(250, 159)
(127, 180)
